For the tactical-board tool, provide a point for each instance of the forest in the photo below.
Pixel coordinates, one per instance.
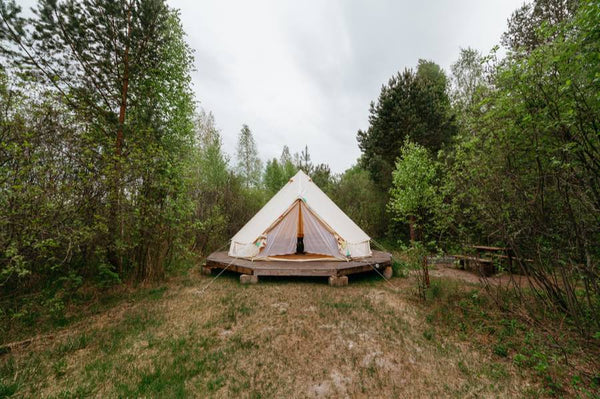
(113, 175)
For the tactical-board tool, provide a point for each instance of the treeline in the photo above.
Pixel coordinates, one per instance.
(108, 173)
(504, 151)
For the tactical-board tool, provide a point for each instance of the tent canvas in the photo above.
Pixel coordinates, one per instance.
(300, 208)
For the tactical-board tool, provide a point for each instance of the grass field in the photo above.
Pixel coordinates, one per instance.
(294, 338)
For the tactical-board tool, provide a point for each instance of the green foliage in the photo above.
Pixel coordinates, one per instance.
(208, 186)
(467, 78)
(411, 106)
(524, 171)
(414, 190)
(321, 176)
(287, 163)
(275, 176)
(94, 156)
(400, 269)
(222, 201)
(537, 350)
(356, 194)
(434, 291)
(526, 24)
(249, 165)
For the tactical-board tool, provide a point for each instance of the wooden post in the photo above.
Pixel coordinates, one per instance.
(300, 220)
(248, 279)
(387, 272)
(341, 281)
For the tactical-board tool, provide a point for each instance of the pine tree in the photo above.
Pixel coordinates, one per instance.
(412, 105)
(249, 165)
(287, 164)
(305, 163)
(285, 155)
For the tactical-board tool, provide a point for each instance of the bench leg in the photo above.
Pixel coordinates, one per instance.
(486, 269)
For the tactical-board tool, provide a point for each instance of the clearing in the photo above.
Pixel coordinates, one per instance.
(280, 338)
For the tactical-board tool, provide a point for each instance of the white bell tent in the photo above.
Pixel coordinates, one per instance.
(300, 209)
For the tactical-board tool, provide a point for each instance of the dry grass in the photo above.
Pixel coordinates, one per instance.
(280, 338)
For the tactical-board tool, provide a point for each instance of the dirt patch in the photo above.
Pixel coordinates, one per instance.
(504, 280)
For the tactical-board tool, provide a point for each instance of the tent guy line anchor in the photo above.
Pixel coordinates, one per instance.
(395, 289)
(200, 292)
(378, 245)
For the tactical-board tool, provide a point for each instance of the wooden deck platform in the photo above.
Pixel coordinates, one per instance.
(220, 260)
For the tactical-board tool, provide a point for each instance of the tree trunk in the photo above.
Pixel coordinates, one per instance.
(116, 218)
(425, 272)
(412, 227)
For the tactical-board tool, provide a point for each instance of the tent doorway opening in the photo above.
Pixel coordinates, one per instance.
(299, 235)
(300, 246)
(300, 239)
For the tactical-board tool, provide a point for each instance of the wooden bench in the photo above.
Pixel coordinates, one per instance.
(495, 253)
(483, 266)
(502, 253)
(487, 257)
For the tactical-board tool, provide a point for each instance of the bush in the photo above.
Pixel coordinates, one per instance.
(400, 268)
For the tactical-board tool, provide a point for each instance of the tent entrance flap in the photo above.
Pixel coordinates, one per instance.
(317, 238)
(300, 223)
(282, 238)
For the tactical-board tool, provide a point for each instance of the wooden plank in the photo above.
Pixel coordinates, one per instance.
(232, 267)
(513, 258)
(486, 248)
(296, 273)
(357, 269)
(473, 258)
(221, 260)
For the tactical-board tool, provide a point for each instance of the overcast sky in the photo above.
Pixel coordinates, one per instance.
(304, 72)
